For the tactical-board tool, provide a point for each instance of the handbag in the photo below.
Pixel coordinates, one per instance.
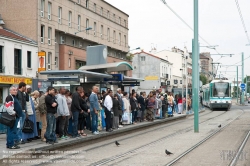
(28, 126)
(125, 117)
(83, 115)
(5, 118)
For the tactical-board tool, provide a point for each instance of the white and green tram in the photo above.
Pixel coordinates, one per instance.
(217, 94)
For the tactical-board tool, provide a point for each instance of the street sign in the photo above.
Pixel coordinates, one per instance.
(242, 86)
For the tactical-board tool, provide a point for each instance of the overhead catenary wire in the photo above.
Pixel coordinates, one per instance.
(177, 15)
(242, 21)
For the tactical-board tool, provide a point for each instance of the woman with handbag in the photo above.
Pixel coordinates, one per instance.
(134, 107)
(29, 127)
(150, 103)
(35, 99)
(127, 110)
(116, 110)
(82, 116)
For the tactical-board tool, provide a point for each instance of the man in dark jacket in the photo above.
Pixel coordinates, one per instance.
(22, 100)
(119, 94)
(13, 108)
(51, 106)
(76, 109)
(142, 104)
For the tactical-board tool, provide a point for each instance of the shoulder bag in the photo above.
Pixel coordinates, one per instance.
(28, 126)
(5, 118)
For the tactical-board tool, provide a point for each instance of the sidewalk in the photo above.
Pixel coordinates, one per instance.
(38, 145)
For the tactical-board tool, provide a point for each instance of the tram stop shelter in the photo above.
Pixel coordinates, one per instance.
(87, 76)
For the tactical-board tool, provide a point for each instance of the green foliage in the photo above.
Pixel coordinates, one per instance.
(203, 79)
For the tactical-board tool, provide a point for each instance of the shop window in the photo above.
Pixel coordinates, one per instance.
(18, 61)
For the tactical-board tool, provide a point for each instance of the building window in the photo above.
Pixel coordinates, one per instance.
(80, 44)
(114, 19)
(59, 15)
(87, 25)
(49, 35)
(108, 15)
(56, 61)
(1, 60)
(73, 42)
(108, 34)
(62, 40)
(94, 7)
(125, 23)
(79, 1)
(143, 58)
(94, 28)
(42, 33)
(42, 7)
(120, 38)
(18, 61)
(49, 10)
(114, 37)
(120, 20)
(80, 64)
(49, 61)
(101, 31)
(70, 18)
(101, 11)
(69, 62)
(87, 3)
(79, 23)
(29, 59)
(125, 40)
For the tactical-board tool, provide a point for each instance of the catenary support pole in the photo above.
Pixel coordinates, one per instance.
(195, 73)
(242, 77)
(237, 85)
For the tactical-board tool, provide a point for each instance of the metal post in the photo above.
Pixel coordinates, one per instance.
(246, 87)
(242, 77)
(186, 85)
(195, 73)
(237, 85)
(234, 86)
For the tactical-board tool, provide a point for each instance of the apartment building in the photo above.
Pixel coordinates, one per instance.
(17, 57)
(156, 71)
(206, 65)
(64, 28)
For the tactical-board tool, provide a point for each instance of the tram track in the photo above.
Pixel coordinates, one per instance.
(111, 159)
(233, 162)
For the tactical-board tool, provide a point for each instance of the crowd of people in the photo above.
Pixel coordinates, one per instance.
(60, 114)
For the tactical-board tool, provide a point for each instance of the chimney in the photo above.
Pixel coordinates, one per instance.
(1, 22)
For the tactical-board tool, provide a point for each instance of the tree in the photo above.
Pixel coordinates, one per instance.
(203, 79)
(248, 83)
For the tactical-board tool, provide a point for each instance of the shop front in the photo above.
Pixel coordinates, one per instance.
(7, 81)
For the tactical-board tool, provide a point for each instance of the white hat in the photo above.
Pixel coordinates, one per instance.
(28, 86)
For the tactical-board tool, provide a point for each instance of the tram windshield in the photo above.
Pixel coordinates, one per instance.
(221, 89)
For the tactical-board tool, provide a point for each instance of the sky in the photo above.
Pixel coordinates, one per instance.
(152, 24)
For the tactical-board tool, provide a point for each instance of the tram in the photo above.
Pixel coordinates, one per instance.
(217, 94)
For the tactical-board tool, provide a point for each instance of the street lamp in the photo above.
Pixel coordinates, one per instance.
(134, 49)
(89, 28)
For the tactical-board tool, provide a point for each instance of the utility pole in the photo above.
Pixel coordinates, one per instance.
(242, 77)
(237, 84)
(195, 70)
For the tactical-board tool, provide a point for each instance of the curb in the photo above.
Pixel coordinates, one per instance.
(104, 134)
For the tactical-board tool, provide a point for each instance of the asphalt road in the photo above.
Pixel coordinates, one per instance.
(147, 147)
